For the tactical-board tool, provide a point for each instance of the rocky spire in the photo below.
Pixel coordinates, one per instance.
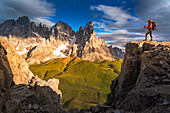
(62, 31)
(23, 28)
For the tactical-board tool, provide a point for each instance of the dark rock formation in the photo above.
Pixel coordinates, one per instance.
(5, 78)
(23, 28)
(116, 52)
(40, 30)
(144, 83)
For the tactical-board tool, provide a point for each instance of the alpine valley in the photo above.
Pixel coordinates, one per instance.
(43, 56)
(58, 70)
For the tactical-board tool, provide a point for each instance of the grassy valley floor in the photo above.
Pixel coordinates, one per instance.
(82, 83)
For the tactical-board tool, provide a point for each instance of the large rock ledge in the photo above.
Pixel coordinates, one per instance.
(144, 82)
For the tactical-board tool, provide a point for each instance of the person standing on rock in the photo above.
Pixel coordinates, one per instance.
(150, 25)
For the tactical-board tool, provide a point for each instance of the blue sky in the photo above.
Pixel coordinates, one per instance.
(78, 13)
(115, 21)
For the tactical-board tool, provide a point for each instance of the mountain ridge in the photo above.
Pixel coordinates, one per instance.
(83, 43)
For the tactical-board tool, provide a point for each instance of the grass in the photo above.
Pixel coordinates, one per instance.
(82, 83)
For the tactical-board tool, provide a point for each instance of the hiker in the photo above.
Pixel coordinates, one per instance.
(150, 25)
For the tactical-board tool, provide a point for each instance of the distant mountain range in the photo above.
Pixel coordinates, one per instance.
(37, 42)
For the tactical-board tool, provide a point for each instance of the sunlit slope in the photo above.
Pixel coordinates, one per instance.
(83, 83)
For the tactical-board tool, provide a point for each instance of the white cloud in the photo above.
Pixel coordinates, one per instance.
(118, 30)
(34, 9)
(114, 24)
(119, 16)
(43, 20)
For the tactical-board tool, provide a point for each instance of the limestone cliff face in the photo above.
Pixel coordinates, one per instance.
(144, 82)
(25, 94)
(62, 31)
(89, 46)
(20, 68)
(36, 50)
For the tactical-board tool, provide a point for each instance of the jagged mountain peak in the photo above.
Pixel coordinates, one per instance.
(89, 24)
(23, 20)
(61, 23)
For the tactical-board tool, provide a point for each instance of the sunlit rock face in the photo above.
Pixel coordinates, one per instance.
(20, 68)
(21, 91)
(90, 47)
(37, 43)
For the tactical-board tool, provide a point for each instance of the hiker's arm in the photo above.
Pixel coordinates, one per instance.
(150, 26)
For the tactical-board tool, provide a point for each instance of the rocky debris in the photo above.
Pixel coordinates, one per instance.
(97, 109)
(34, 99)
(116, 52)
(143, 84)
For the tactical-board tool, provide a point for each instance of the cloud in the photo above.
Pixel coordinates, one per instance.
(44, 20)
(119, 27)
(117, 15)
(114, 25)
(34, 9)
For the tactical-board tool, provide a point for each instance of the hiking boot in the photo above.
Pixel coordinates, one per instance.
(151, 40)
(145, 39)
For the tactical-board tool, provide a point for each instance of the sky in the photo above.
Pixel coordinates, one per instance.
(115, 21)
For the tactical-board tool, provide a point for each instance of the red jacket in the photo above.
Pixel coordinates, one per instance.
(150, 25)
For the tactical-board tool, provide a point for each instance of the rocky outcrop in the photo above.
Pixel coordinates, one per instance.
(24, 98)
(143, 84)
(20, 68)
(118, 53)
(62, 31)
(5, 78)
(89, 46)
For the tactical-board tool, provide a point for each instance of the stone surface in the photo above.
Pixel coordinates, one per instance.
(143, 82)
(22, 27)
(89, 46)
(20, 69)
(27, 93)
(37, 42)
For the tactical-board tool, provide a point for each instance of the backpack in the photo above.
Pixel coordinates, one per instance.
(154, 27)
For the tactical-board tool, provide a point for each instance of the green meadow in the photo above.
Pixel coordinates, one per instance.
(83, 83)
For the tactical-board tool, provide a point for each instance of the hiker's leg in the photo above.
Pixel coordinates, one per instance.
(147, 34)
(151, 35)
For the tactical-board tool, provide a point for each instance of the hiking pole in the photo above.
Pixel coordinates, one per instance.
(144, 29)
